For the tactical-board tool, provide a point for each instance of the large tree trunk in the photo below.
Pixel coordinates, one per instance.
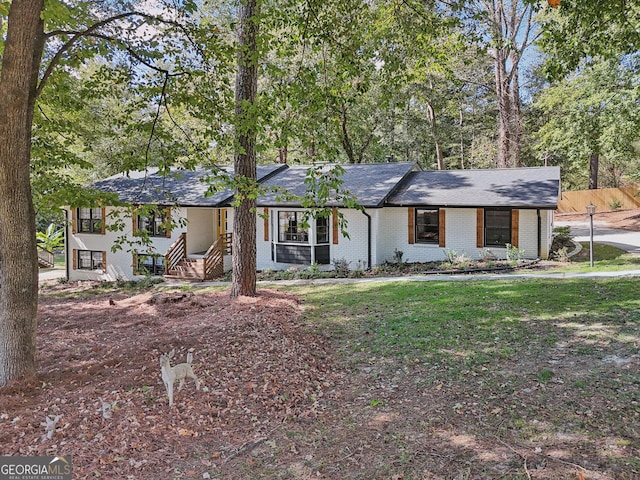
(515, 114)
(244, 220)
(510, 27)
(431, 115)
(504, 99)
(18, 257)
(594, 165)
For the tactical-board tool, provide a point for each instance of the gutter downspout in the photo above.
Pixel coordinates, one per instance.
(539, 234)
(66, 243)
(368, 239)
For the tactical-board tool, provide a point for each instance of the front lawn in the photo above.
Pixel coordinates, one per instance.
(465, 379)
(469, 379)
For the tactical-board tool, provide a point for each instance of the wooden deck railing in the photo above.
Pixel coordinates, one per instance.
(45, 258)
(176, 252)
(227, 243)
(214, 261)
(211, 265)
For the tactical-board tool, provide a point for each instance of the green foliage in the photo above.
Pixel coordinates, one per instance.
(398, 256)
(615, 204)
(514, 254)
(585, 30)
(115, 94)
(51, 239)
(594, 112)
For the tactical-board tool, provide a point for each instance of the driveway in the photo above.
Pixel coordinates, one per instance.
(626, 240)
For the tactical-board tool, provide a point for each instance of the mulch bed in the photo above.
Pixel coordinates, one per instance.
(258, 364)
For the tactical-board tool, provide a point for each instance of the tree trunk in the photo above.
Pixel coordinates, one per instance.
(515, 115)
(594, 163)
(18, 258)
(504, 109)
(344, 137)
(510, 27)
(431, 114)
(244, 220)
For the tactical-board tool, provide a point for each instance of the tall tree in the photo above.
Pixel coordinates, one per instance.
(506, 30)
(21, 60)
(64, 34)
(246, 122)
(592, 120)
(584, 30)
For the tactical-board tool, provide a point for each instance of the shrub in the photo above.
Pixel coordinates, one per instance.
(488, 256)
(562, 254)
(312, 272)
(615, 204)
(562, 233)
(341, 265)
(450, 255)
(514, 254)
(397, 256)
(455, 260)
(358, 272)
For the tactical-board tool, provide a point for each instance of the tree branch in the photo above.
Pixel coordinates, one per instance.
(89, 31)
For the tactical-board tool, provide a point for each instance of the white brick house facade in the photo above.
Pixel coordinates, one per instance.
(421, 214)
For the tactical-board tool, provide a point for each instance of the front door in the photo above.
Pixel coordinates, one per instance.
(223, 222)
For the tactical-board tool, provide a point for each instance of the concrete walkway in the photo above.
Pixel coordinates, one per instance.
(48, 274)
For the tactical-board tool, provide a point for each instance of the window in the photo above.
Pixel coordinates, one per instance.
(154, 223)
(150, 265)
(322, 230)
(90, 260)
(427, 226)
(497, 227)
(290, 227)
(90, 220)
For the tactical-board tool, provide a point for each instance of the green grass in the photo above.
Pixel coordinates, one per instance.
(527, 361)
(471, 323)
(605, 258)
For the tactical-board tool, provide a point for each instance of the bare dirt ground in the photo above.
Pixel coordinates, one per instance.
(280, 401)
(623, 219)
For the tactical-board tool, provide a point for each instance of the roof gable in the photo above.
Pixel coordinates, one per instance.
(180, 187)
(370, 183)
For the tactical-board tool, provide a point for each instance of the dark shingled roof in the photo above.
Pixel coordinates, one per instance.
(181, 187)
(371, 184)
(535, 187)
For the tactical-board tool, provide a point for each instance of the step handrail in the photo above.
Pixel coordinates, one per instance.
(213, 261)
(176, 252)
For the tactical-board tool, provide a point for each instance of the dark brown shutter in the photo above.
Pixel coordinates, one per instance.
(134, 219)
(441, 227)
(515, 226)
(480, 228)
(411, 219)
(104, 261)
(135, 264)
(74, 260)
(104, 220)
(74, 220)
(265, 219)
(334, 222)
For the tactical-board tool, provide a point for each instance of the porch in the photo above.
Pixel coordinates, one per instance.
(197, 266)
